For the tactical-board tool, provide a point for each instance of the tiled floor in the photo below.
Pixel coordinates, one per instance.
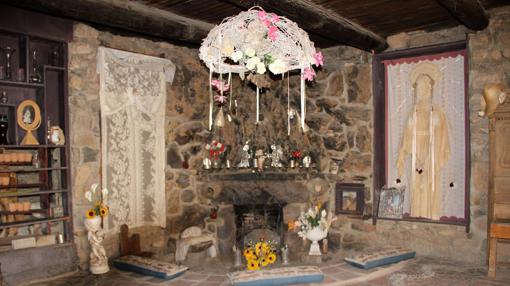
(419, 271)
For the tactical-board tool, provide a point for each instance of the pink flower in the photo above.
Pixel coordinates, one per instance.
(272, 34)
(263, 18)
(274, 18)
(308, 74)
(220, 98)
(262, 15)
(319, 59)
(219, 85)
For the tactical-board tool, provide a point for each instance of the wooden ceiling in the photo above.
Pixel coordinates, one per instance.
(383, 17)
(360, 23)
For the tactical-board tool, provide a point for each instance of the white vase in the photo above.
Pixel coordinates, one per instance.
(314, 235)
(98, 263)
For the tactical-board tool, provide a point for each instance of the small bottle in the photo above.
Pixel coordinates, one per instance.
(36, 162)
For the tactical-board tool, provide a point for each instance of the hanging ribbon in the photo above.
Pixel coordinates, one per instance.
(303, 111)
(211, 100)
(257, 119)
(231, 91)
(288, 103)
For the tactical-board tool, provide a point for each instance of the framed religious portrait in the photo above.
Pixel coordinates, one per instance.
(391, 202)
(421, 132)
(349, 198)
(29, 119)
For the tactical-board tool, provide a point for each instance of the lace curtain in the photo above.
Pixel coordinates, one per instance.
(133, 102)
(449, 95)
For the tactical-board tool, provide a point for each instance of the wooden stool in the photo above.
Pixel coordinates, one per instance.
(498, 230)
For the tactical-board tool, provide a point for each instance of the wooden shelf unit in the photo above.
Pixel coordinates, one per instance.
(50, 181)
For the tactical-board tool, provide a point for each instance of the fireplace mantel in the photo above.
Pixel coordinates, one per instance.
(251, 175)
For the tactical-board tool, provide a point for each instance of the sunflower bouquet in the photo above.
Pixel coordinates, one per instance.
(99, 207)
(260, 254)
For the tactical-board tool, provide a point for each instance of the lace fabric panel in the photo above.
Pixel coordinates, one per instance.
(449, 95)
(133, 102)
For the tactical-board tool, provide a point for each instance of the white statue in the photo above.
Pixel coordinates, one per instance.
(245, 157)
(98, 259)
(276, 156)
(27, 117)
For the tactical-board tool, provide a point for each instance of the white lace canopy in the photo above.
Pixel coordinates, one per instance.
(253, 41)
(292, 45)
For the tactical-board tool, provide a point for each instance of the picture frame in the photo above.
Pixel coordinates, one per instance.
(349, 198)
(56, 135)
(29, 119)
(391, 202)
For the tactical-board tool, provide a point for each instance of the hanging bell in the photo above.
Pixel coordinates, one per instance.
(219, 121)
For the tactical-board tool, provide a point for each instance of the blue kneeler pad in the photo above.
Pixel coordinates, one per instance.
(150, 267)
(277, 276)
(379, 258)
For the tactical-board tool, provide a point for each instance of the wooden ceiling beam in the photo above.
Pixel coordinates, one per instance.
(320, 21)
(126, 15)
(470, 13)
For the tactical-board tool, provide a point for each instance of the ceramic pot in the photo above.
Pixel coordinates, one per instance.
(314, 235)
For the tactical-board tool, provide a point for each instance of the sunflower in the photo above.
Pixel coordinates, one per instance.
(248, 253)
(271, 258)
(91, 213)
(258, 247)
(253, 265)
(264, 261)
(103, 211)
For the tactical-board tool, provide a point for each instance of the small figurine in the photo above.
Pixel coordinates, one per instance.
(207, 163)
(276, 156)
(245, 157)
(307, 161)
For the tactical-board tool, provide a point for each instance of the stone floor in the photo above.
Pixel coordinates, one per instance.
(419, 271)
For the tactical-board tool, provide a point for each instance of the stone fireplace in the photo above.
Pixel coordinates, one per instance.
(258, 221)
(259, 205)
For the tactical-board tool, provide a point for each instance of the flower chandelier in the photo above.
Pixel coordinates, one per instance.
(254, 42)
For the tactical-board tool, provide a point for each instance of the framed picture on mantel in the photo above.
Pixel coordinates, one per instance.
(349, 198)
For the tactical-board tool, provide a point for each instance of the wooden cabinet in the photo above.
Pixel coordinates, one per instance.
(35, 189)
(498, 226)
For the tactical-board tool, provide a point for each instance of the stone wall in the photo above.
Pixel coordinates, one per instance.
(339, 112)
(489, 62)
(184, 120)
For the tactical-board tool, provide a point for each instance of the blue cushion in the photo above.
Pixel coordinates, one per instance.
(379, 258)
(277, 276)
(148, 266)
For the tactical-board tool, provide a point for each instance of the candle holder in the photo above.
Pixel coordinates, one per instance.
(8, 51)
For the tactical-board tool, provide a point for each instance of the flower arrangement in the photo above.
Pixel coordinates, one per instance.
(97, 199)
(256, 56)
(314, 217)
(261, 254)
(296, 154)
(216, 148)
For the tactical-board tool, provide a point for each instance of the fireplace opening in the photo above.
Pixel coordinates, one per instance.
(259, 221)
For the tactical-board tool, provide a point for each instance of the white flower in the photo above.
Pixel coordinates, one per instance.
(88, 196)
(250, 52)
(236, 56)
(261, 68)
(311, 213)
(104, 192)
(278, 66)
(323, 213)
(252, 62)
(93, 188)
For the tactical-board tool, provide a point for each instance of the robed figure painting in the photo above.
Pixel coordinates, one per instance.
(426, 135)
